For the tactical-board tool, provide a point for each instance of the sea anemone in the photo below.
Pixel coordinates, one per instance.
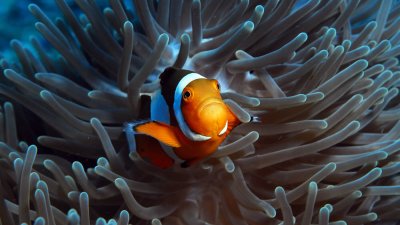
(319, 78)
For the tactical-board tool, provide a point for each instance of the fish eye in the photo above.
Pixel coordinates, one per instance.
(187, 94)
(218, 86)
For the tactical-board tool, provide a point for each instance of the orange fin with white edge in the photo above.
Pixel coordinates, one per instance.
(161, 131)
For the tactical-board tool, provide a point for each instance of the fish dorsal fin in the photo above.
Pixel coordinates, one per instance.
(162, 132)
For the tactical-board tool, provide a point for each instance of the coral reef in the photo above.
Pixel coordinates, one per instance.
(320, 78)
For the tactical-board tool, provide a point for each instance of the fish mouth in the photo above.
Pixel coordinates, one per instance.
(209, 102)
(213, 114)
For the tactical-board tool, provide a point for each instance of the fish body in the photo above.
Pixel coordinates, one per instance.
(189, 120)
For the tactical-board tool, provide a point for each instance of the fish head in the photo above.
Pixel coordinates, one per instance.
(203, 108)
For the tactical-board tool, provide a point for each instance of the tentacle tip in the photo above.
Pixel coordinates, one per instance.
(331, 166)
(72, 211)
(39, 76)
(185, 38)
(279, 189)
(324, 124)
(331, 30)
(108, 10)
(346, 43)
(395, 91)
(340, 222)
(45, 94)
(32, 150)
(41, 139)
(84, 196)
(123, 213)
(9, 73)
(91, 94)
(366, 50)
(32, 7)
(385, 90)
(128, 25)
(246, 119)
(340, 49)
(302, 37)
(320, 96)
(302, 98)
(8, 105)
(39, 25)
(97, 169)
(376, 171)
(156, 221)
(270, 213)
(324, 210)
(374, 24)
(39, 220)
(76, 165)
(71, 194)
(357, 194)
(18, 161)
(372, 216)
(102, 161)
(14, 42)
(324, 54)
(120, 183)
(358, 98)
(112, 222)
(239, 52)
(356, 124)
(255, 134)
(47, 163)
(94, 121)
(363, 63)
(255, 102)
(34, 175)
(313, 185)
(383, 155)
(259, 9)
(387, 43)
(230, 167)
(41, 185)
(249, 26)
(163, 38)
(329, 206)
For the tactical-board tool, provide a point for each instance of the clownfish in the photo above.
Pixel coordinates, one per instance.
(188, 121)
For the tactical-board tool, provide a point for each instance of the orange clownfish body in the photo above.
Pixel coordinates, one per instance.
(187, 115)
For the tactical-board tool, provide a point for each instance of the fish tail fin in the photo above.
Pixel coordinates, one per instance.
(255, 119)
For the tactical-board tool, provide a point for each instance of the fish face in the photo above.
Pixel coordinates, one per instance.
(203, 108)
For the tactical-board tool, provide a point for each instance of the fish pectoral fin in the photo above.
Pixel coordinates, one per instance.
(163, 132)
